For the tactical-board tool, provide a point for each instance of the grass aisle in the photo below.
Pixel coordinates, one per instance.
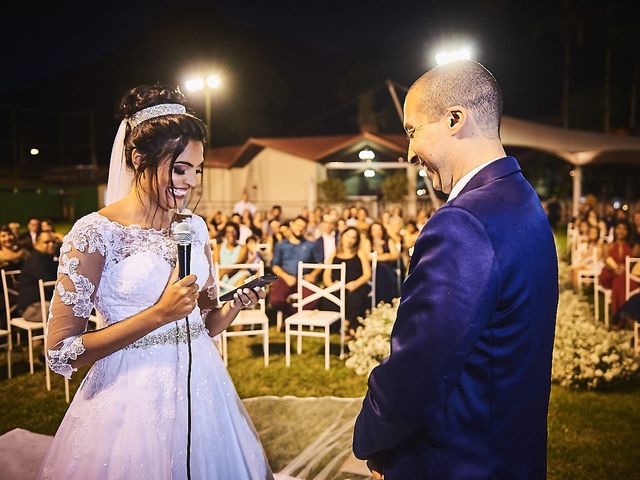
(591, 435)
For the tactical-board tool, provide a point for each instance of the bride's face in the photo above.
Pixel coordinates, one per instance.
(185, 176)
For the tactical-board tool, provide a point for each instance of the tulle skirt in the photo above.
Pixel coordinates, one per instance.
(129, 420)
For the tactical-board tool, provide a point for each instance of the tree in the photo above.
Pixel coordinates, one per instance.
(332, 190)
(394, 187)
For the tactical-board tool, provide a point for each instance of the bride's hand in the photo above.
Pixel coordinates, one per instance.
(178, 300)
(245, 298)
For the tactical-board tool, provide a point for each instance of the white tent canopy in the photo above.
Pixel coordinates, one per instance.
(577, 147)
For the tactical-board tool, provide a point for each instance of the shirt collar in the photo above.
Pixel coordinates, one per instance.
(457, 188)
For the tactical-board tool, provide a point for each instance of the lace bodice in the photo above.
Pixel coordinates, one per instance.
(120, 271)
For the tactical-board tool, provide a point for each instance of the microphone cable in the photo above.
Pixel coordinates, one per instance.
(188, 398)
(183, 236)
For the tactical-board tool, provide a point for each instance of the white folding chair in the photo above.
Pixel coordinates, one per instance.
(306, 320)
(7, 332)
(591, 268)
(19, 322)
(45, 320)
(372, 282)
(256, 319)
(12, 289)
(606, 292)
(630, 262)
(280, 316)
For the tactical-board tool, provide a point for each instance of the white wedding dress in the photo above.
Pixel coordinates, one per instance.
(128, 419)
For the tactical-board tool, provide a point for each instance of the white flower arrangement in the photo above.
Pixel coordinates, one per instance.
(587, 354)
(371, 341)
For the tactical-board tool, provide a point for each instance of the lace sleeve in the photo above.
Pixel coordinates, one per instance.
(82, 258)
(208, 299)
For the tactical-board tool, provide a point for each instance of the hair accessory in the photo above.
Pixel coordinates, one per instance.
(155, 111)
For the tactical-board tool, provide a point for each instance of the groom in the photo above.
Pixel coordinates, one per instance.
(465, 391)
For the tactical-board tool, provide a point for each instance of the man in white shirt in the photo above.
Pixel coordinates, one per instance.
(327, 242)
(244, 204)
(477, 313)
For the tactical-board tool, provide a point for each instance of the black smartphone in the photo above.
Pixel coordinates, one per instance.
(256, 282)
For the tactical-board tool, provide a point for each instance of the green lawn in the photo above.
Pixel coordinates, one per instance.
(591, 435)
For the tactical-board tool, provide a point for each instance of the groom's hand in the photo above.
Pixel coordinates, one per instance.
(376, 468)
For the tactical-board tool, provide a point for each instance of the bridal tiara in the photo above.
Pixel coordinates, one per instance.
(155, 111)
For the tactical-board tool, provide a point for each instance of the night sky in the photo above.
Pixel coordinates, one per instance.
(295, 68)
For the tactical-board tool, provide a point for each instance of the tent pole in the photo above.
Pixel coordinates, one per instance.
(577, 189)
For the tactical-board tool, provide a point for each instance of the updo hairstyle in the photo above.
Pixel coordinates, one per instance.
(160, 138)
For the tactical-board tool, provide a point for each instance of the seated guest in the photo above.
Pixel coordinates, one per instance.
(244, 205)
(635, 234)
(628, 314)
(247, 221)
(275, 214)
(230, 252)
(245, 232)
(396, 222)
(362, 220)
(28, 239)
(286, 256)
(41, 265)
(253, 252)
(327, 242)
(613, 275)
(409, 236)
(273, 238)
(11, 254)
(583, 260)
(358, 273)
(386, 274)
(46, 225)
(260, 226)
(213, 223)
(15, 228)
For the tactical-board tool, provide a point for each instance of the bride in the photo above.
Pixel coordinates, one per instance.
(129, 418)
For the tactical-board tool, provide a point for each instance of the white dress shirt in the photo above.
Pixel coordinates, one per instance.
(329, 243)
(458, 187)
(241, 206)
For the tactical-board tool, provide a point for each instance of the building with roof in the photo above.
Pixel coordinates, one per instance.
(286, 171)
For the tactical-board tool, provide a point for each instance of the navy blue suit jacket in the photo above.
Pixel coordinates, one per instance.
(318, 245)
(465, 391)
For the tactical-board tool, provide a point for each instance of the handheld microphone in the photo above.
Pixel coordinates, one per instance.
(183, 236)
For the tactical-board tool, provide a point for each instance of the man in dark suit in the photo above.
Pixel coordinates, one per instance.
(327, 242)
(465, 391)
(28, 239)
(41, 265)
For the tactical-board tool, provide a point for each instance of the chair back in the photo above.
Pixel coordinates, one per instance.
(372, 282)
(334, 293)
(9, 287)
(257, 269)
(43, 309)
(629, 264)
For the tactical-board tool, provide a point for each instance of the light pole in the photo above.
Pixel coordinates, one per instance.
(207, 84)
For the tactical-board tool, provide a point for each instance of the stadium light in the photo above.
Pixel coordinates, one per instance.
(446, 56)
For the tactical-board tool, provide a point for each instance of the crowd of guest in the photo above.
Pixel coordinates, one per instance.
(34, 252)
(601, 238)
(322, 235)
(247, 235)
(600, 245)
